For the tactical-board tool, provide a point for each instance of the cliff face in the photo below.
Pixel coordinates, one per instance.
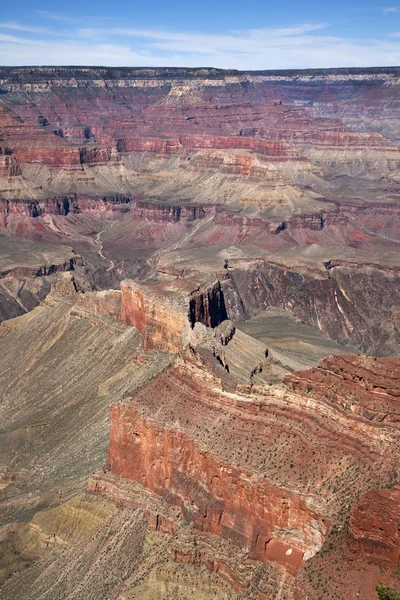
(256, 467)
(161, 325)
(219, 120)
(27, 274)
(374, 528)
(221, 500)
(61, 205)
(349, 301)
(208, 307)
(376, 379)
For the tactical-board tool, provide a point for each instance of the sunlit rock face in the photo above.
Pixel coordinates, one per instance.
(374, 528)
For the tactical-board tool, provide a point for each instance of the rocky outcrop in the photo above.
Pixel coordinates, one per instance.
(191, 547)
(62, 205)
(313, 222)
(267, 469)
(208, 306)
(346, 300)
(27, 275)
(9, 166)
(373, 534)
(161, 322)
(271, 149)
(364, 386)
(161, 213)
(272, 525)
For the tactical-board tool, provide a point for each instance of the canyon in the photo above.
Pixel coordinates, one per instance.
(199, 333)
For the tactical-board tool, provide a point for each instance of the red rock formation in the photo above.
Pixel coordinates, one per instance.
(62, 205)
(270, 149)
(162, 323)
(43, 270)
(374, 528)
(364, 386)
(50, 156)
(212, 454)
(97, 155)
(161, 213)
(271, 524)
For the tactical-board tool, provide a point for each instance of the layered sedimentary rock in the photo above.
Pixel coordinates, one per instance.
(61, 205)
(179, 440)
(374, 528)
(192, 242)
(220, 499)
(241, 124)
(377, 379)
(27, 273)
(203, 158)
(337, 296)
(161, 324)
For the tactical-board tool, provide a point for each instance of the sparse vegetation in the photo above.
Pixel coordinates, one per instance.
(385, 592)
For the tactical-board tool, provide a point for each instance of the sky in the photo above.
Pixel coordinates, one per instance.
(233, 34)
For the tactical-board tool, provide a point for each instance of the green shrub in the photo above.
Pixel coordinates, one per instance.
(386, 593)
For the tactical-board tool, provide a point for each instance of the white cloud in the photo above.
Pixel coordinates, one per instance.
(45, 14)
(303, 46)
(5, 37)
(387, 10)
(18, 27)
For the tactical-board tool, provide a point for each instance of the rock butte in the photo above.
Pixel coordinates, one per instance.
(199, 296)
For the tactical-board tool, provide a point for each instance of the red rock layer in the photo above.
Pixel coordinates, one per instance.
(270, 149)
(374, 528)
(192, 547)
(364, 386)
(29, 143)
(162, 323)
(272, 524)
(269, 469)
(62, 205)
(167, 213)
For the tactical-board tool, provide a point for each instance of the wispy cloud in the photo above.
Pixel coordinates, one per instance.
(300, 46)
(15, 26)
(388, 10)
(19, 27)
(45, 14)
(5, 37)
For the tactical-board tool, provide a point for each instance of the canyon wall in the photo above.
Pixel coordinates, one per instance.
(348, 301)
(161, 324)
(270, 523)
(374, 528)
(260, 468)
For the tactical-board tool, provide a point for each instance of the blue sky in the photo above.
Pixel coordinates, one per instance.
(229, 34)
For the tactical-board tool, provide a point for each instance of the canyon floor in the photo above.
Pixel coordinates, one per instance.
(199, 336)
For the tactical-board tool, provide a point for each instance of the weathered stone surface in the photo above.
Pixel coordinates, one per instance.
(270, 524)
(374, 528)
